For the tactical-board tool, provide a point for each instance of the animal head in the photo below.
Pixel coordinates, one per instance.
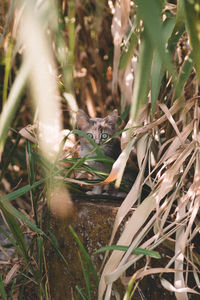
(98, 129)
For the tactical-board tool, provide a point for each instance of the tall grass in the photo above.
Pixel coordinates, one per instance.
(34, 23)
(156, 67)
(160, 79)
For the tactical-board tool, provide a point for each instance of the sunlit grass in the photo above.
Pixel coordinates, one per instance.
(51, 63)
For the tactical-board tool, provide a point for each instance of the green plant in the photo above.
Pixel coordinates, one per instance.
(157, 45)
(167, 133)
(88, 269)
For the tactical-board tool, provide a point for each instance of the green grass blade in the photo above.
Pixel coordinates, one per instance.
(192, 17)
(85, 255)
(21, 191)
(16, 231)
(8, 58)
(86, 278)
(157, 75)
(4, 204)
(31, 163)
(2, 289)
(40, 255)
(12, 288)
(30, 158)
(183, 76)
(11, 104)
(127, 52)
(79, 290)
(178, 28)
(54, 242)
(47, 296)
(19, 215)
(8, 236)
(21, 292)
(137, 251)
(142, 79)
(132, 285)
(157, 72)
(96, 147)
(150, 12)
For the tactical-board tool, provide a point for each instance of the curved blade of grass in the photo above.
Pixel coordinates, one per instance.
(21, 191)
(12, 241)
(16, 231)
(2, 289)
(96, 148)
(141, 214)
(129, 46)
(30, 163)
(53, 240)
(192, 17)
(40, 242)
(12, 103)
(173, 40)
(130, 288)
(179, 291)
(150, 12)
(129, 201)
(157, 72)
(90, 265)
(141, 85)
(13, 288)
(136, 251)
(19, 215)
(31, 176)
(183, 76)
(119, 166)
(86, 278)
(178, 28)
(82, 294)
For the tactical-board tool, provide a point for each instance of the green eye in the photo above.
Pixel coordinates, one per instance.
(90, 135)
(104, 136)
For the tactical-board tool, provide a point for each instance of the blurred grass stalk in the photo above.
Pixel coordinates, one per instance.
(42, 78)
(35, 37)
(68, 63)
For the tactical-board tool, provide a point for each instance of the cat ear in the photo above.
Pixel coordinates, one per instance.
(112, 118)
(82, 119)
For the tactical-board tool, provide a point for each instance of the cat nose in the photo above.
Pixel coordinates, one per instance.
(98, 142)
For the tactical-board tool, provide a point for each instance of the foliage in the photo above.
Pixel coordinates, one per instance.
(170, 138)
(69, 56)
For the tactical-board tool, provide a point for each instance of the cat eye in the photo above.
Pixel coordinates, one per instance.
(104, 136)
(90, 135)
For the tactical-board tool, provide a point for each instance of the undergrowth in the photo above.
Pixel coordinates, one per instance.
(141, 56)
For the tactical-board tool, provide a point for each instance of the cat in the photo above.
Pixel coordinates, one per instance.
(99, 129)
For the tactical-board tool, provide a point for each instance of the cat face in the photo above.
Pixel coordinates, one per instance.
(98, 129)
